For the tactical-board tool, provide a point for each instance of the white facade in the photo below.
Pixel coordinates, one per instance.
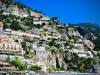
(45, 18)
(32, 13)
(88, 43)
(17, 33)
(79, 46)
(41, 54)
(37, 22)
(8, 47)
(28, 44)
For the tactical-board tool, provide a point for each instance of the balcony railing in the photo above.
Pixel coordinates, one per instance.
(13, 52)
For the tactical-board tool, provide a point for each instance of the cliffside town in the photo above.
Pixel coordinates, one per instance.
(36, 39)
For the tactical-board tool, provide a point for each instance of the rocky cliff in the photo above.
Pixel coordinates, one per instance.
(69, 47)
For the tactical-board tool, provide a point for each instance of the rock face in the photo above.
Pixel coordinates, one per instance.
(15, 8)
(71, 31)
(64, 36)
(85, 34)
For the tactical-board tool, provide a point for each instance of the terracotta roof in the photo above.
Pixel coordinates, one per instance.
(36, 16)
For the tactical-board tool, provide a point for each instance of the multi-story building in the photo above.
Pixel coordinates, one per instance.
(79, 50)
(8, 45)
(6, 67)
(89, 44)
(40, 19)
(21, 34)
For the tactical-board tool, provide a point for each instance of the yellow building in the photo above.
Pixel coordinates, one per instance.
(7, 45)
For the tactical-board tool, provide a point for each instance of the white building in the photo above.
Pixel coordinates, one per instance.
(8, 45)
(41, 55)
(80, 51)
(11, 47)
(21, 34)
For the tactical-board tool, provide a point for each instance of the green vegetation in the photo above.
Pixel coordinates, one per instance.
(94, 28)
(16, 62)
(12, 20)
(35, 68)
(24, 45)
(62, 66)
(15, 26)
(58, 69)
(72, 60)
(75, 63)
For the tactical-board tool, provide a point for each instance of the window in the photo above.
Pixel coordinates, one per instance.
(43, 52)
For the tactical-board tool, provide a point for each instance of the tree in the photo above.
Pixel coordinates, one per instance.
(22, 67)
(16, 62)
(1, 12)
(33, 53)
(15, 26)
(57, 45)
(43, 24)
(24, 45)
(50, 23)
(35, 68)
(5, 26)
(54, 51)
(45, 29)
(62, 66)
(89, 62)
(52, 43)
(67, 43)
(70, 25)
(27, 52)
(38, 26)
(30, 47)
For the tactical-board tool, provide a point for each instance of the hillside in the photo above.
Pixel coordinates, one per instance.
(92, 28)
(87, 24)
(33, 41)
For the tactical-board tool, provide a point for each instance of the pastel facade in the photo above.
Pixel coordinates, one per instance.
(11, 48)
(39, 19)
(8, 45)
(89, 44)
(6, 67)
(80, 51)
(1, 26)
